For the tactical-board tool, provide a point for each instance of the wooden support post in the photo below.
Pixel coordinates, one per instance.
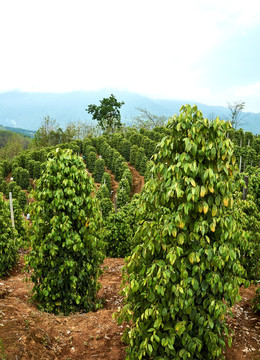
(245, 188)
(240, 164)
(115, 203)
(11, 208)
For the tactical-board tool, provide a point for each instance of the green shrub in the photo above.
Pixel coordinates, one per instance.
(117, 235)
(139, 159)
(185, 261)
(124, 149)
(143, 165)
(248, 215)
(8, 245)
(14, 189)
(30, 168)
(106, 179)
(99, 170)
(3, 187)
(19, 223)
(37, 169)
(133, 154)
(6, 168)
(65, 244)
(106, 206)
(103, 192)
(22, 200)
(21, 176)
(128, 175)
(148, 173)
(91, 160)
(136, 139)
(123, 193)
(86, 142)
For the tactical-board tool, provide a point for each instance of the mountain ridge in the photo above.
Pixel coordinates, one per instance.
(27, 110)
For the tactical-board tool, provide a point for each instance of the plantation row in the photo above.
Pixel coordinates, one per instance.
(190, 239)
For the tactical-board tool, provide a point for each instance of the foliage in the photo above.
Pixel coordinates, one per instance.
(6, 168)
(21, 176)
(148, 120)
(125, 148)
(148, 173)
(99, 170)
(19, 224)
(236, 112)
(22, 200)
(106, 179)
(106, 206)
(3, 186)
(256, 301)
(103, 192)
(185, 261)
(91, 160)
(107, 114)
(139, 158)
(128, 176)
(133, 154)
(14, 188)
(8, 245)
(254, 187)
(123, 193)
(51, 134)
(65, 244)
(249, 216)
(117, 235)
(12, 144)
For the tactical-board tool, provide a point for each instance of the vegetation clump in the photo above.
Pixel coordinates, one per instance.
(66, 249)
(186, 259)
(8, 244)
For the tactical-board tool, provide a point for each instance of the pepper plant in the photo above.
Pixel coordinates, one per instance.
(66, 249)
(186, 259)
(8, 244)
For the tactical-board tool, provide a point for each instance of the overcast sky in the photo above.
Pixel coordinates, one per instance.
(200, 50)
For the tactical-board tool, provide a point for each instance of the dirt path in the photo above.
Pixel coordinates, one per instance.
(114, 184)
(29, 334)
(138, 180)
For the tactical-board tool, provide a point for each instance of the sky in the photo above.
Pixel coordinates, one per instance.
(206, 51)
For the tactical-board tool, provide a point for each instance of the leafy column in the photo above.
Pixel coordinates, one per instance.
(185, 261)
(65, 247)
(8, 245)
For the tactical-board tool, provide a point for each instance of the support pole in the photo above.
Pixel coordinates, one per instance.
(245, 188)
(11, 208)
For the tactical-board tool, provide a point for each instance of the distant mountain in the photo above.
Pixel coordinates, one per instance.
(27, 110)
(24, 132)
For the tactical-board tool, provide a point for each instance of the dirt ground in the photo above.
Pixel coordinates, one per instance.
(28, 334)
(138, 180)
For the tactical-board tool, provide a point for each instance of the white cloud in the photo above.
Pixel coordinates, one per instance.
(145, 46)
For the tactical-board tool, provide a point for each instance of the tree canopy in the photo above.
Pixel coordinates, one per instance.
(107, 114)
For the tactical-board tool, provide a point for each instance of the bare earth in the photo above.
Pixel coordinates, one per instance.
(30, 334)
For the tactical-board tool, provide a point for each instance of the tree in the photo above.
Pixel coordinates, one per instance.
(107, 114)
(237, 117)
(148, 120)
(66, 249)
(185, 258)
(46, 135)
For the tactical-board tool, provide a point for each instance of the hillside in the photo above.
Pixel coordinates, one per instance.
(27, 110)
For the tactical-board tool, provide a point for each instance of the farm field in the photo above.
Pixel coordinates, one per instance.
(180, 202)
(29, 334)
